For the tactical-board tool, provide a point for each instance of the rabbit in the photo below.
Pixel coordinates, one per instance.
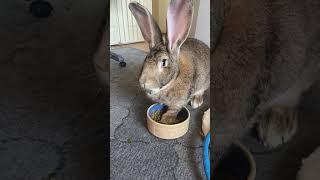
(100, 56)
(266, 54)
(100, 53)
(177, 69)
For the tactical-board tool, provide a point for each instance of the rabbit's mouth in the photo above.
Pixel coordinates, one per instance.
(153, 96)
(152, 91)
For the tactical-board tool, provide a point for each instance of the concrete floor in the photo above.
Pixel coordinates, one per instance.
(143, 46)
(52, 116)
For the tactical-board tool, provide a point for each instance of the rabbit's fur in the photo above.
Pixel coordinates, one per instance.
(177, 69)
(266, 54)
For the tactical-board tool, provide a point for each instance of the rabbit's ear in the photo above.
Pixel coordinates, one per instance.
(179, 17)
(148, 26)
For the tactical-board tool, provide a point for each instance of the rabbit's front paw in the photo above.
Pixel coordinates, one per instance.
(196, 101)
(277, 126)
(168, 118)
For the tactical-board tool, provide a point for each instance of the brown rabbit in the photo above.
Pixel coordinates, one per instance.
(266, 54)
(177, 70)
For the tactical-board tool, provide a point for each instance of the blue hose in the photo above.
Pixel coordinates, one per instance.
(206, 160)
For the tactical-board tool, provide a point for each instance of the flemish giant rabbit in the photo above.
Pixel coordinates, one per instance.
(177, 69)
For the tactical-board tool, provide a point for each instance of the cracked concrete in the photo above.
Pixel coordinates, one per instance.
(119, 114)
(52, 120)
(189, 159)
(135, 153)
(16, 164)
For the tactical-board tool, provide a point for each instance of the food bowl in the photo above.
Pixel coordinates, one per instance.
(167, 131)
(237, 164)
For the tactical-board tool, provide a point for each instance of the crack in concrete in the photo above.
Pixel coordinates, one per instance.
(129, 112)
(73, 123)
(59, 149)
(122, 122)
(61, 162)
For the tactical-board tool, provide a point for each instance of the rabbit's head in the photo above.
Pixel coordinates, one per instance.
(161, 64)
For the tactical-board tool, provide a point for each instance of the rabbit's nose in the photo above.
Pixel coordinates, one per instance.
(148, 91)
(147, 86)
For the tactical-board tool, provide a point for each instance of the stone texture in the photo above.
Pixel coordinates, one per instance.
(142, 161)
(190, 165)
(52, 117)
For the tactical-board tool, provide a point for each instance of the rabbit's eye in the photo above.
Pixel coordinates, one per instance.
(164, 63)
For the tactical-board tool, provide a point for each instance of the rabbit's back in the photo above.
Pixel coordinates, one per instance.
(291, 62)
(198, 53)
(265, 50)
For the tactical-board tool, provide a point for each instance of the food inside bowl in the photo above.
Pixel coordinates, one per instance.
(156, 115)
(159, 109)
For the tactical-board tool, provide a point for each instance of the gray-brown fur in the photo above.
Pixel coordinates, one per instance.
(187, 74)
(266, 54)
(277, 125)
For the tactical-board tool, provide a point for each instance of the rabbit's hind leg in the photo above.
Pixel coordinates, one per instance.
(197, 100)
(277, 125)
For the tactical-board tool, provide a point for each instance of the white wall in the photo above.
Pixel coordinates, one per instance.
(123, 26)
(203, 22)
(159, 12)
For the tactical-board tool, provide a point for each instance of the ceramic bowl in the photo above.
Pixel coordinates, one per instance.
(167, 131)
